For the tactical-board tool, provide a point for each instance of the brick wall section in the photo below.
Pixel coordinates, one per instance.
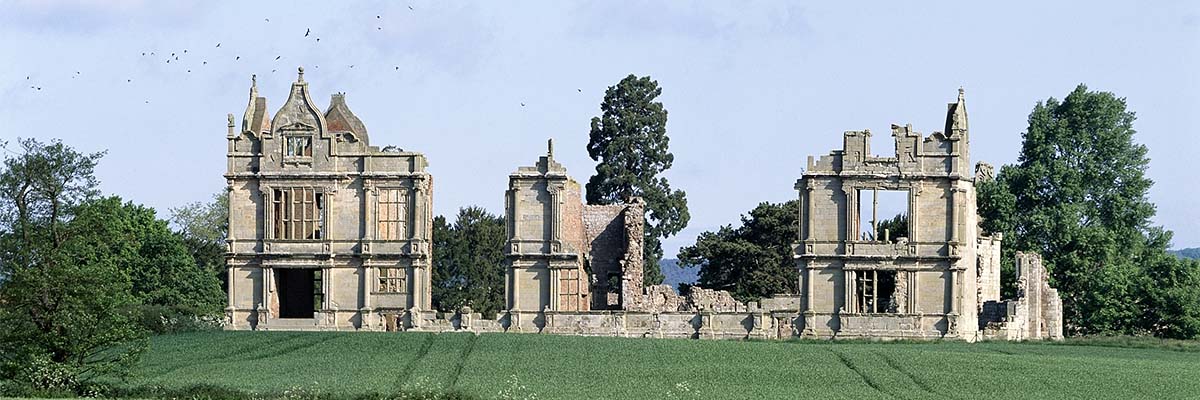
(604, 235)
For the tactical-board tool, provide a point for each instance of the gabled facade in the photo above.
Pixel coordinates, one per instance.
(325, 231)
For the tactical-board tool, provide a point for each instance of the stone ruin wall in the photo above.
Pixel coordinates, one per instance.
(604, 234)
(1036, 313)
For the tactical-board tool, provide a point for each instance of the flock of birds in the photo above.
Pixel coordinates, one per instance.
(175, 57)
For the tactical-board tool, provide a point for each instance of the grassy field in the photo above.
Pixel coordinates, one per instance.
(561, 367)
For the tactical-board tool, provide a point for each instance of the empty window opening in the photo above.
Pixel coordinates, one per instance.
(391, 210)
(882, 215)
(391, 280)
(299, 146)
(875, 291)
(299, 213)
(299, 291)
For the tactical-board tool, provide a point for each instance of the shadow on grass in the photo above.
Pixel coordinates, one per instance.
(217, 392)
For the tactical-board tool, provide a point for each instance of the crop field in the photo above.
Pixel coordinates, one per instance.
(561, 367)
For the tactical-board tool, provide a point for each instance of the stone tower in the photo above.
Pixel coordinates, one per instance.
(917, 274)
(325, 231)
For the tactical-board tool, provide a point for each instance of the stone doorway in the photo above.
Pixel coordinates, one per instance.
(299, 292)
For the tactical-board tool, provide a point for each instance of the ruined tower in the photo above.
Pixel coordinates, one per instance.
(890, 246)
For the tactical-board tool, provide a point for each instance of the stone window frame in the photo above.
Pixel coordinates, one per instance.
(866, 299)
(904, 294)
(398, 223)
(852, 193)
(319, 218)
(287, 135)
(392, 280)
(569, 296)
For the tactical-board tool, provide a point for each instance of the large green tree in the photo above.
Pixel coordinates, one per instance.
(204, 226)
(67, 303)
(468, 262)
(629, 140)
(751, 261)
(1078, 196)
(158, 262)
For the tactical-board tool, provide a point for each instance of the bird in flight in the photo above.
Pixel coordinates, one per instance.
(267, 19)
(218, 45)
(522, 104)
(579, 90)
(307, 31)
(277, 57)
(410, 7)
(237, 58)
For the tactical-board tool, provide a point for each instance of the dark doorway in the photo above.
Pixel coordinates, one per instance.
(299, 292)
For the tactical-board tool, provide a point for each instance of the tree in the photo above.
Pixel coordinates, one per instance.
(751, 261)
(204, 228)
(157, 261)
(468, 260)
(893, 228)
(629, 140)
(1078, 196)
(67, 303)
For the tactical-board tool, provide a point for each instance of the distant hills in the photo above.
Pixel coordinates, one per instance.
(674, 274)
(1193, 253)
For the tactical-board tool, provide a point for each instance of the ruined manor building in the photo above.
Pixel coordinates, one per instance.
(927, 270)
(563, 255)
(329, 233)
(325, 231)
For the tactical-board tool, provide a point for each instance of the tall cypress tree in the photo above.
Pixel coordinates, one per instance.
(629, 140)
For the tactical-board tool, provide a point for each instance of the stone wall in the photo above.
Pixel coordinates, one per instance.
(1036, 313)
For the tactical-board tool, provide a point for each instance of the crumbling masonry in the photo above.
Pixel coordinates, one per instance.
(329, 233)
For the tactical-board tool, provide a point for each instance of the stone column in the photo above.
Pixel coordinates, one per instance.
(852, 217)
(268, 282)
(850, 298)
(555, 217)
(552, 274)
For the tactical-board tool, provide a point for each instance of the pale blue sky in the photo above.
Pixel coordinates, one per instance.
(752, 87)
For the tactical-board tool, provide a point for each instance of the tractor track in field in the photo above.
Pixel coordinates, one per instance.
(412, 365)
(866, 378)
(255, 351)
(288, 350)
(921, 383)
(462, 361)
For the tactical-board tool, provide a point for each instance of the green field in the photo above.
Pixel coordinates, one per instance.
(562, 367)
